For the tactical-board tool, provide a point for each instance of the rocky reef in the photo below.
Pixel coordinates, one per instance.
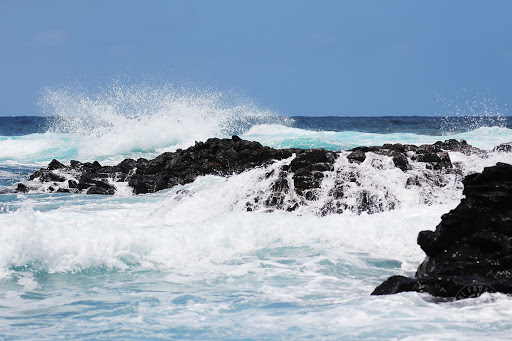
(332, 182)
(470, 251)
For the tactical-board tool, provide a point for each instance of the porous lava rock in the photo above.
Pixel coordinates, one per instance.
(471, 247)
(304, 177)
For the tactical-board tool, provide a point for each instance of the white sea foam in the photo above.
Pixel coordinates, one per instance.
(6, 174)
(190, 261)
(144, 121)
(124, 120)
(281, 136)
(239, 274)
(120, 236)
(205, 222)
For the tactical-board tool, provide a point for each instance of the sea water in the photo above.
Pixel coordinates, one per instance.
(190, 262)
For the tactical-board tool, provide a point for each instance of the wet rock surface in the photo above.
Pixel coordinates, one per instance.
(214, 157)
(333, 182)
(470, 251)
(504, 147)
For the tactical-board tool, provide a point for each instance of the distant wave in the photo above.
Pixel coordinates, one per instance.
(150, 139)
(280, 136)
(141, 119)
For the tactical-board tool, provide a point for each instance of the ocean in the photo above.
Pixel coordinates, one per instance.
(191, 263)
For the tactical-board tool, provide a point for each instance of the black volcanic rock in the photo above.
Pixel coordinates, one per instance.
(306, 177)
(471, 247)
(215, 156)
(21, 188)
(308, 168)
(54, 164)
(400, 161)
(458, 146)
(434, 156)
(357, 155)
(504, 148)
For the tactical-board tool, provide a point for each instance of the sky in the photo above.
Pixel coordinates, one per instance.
(316, 58)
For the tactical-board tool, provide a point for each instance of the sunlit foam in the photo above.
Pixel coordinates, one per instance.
(144, 121)
(280, 136)
(126, 120)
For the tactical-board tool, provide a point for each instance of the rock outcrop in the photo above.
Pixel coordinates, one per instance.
(470, 251)
(214, 157)
(334, 181)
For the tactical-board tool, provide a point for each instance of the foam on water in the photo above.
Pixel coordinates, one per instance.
(206, 222)
(280, 136)
(6, 174)
(191, 262)
(151, 120)
(145, 121)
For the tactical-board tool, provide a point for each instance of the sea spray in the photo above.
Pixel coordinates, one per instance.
(191, 263)
(470, 111)
(123, 120)
(109, 143)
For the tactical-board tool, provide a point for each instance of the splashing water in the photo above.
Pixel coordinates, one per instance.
(191, 263)
(472, 112)
(122, 119)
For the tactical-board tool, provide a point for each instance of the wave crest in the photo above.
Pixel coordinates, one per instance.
(125, 119)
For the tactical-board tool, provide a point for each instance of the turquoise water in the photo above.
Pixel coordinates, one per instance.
(191, 263)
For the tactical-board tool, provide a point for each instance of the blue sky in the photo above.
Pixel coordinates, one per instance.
(295, 57)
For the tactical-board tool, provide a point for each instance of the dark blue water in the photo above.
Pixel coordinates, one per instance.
(422, 125)
(23, 125)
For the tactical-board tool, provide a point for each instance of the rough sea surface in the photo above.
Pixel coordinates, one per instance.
(194, 264)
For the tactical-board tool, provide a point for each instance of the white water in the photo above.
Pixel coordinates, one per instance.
(280, 136)
(143, 121)
(192, 263)
(205, 222)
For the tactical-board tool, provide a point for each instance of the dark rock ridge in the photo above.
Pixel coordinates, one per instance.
(471, 249)
(305, 176)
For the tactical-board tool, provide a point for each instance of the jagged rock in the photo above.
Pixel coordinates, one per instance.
(471, 247)
(400, 161)
(357, 156)
(300, 180)
(21, 188)
(215, 156)
(400, 148)
(46, 175)
(458, 146)
(101, 188)
(504, 148)
(54, 164)
(434, 156)
(308, 168)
